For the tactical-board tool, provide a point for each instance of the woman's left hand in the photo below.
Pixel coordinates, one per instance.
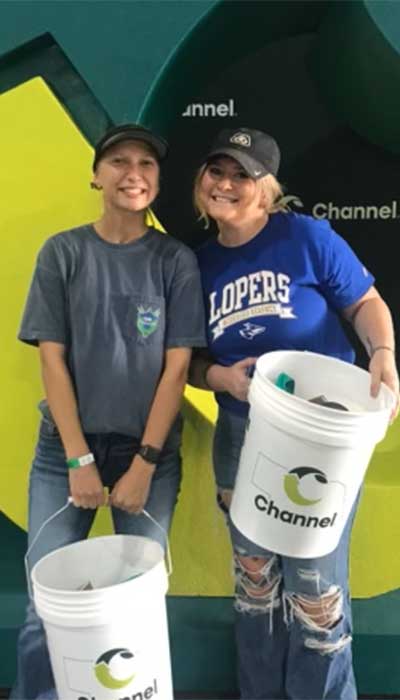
(131, 491)
(382, 367)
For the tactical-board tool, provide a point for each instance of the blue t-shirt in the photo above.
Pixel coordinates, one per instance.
(283, 290)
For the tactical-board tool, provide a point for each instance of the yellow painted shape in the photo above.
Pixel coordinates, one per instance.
(199, 541)
(203, 402)
(44, 184)
(375, 564)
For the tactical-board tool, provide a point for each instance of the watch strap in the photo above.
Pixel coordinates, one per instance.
(149, 453)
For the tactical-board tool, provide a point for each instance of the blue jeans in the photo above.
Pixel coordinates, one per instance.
(282, 650)
(49, 491)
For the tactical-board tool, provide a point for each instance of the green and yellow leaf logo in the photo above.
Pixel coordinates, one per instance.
(114, 668)
(292, 482)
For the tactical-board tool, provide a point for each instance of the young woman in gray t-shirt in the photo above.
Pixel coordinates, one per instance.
(115, 308)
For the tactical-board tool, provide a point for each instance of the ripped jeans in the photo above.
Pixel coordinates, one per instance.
(293, 616)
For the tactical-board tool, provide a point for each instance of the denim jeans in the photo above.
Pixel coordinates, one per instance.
(49, 491)
(282, 653)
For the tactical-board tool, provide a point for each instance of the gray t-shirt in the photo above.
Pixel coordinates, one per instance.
(116, 308)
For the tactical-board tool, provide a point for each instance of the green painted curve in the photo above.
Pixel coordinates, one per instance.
(356, 63)
(229, 31)
(118, 47)
(43, 57)
(356, 60)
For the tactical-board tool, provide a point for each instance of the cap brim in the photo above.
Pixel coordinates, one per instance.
(249, 164)
(158, 145)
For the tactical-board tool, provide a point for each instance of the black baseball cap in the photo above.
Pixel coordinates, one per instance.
(257, 152)
(130, 132)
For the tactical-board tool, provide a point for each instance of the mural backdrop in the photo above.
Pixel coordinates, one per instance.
(323, 79)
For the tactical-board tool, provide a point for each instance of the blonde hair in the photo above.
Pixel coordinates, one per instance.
(271, 191)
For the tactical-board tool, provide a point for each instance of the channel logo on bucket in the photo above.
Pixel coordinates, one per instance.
(292, 482)
(114, 668)
(308, 488)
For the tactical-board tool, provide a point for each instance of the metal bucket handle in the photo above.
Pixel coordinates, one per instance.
(61, 510)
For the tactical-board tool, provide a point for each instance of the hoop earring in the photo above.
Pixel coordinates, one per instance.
(95, 186)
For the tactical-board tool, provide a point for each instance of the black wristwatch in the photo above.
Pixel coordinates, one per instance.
(149, 454)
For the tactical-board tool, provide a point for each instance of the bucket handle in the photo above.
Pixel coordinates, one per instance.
(35, 539)
(165, 533)
(61, 510)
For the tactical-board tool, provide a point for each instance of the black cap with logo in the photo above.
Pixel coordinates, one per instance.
(130, 132)
(257, 152)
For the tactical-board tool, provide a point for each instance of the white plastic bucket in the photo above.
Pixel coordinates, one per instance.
(109, 643)
(302, 464)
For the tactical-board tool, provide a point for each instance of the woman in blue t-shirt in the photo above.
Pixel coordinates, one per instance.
(276, 280)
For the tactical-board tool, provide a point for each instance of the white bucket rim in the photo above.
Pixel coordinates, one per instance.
(317, 408)
(42, 588)
(288, 404)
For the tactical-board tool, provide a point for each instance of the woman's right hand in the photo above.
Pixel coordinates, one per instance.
(234, 379)
(86, 487)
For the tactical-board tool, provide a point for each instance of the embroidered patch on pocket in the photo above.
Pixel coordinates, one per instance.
(147, 320)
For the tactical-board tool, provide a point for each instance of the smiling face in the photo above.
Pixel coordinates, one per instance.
(128, 174)
(228, 195)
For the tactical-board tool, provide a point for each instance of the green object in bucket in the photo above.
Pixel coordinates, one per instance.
(283, 381)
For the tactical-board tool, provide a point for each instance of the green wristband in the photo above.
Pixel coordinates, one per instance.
(76, 462)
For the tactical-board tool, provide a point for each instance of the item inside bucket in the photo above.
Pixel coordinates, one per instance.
(97, 563)
(283, 381)
(288, 384)
(88, 585)
(323, 401)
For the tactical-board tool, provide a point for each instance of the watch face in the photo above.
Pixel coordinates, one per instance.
(150, 454)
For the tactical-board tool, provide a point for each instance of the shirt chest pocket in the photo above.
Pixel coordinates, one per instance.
(144, 319)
